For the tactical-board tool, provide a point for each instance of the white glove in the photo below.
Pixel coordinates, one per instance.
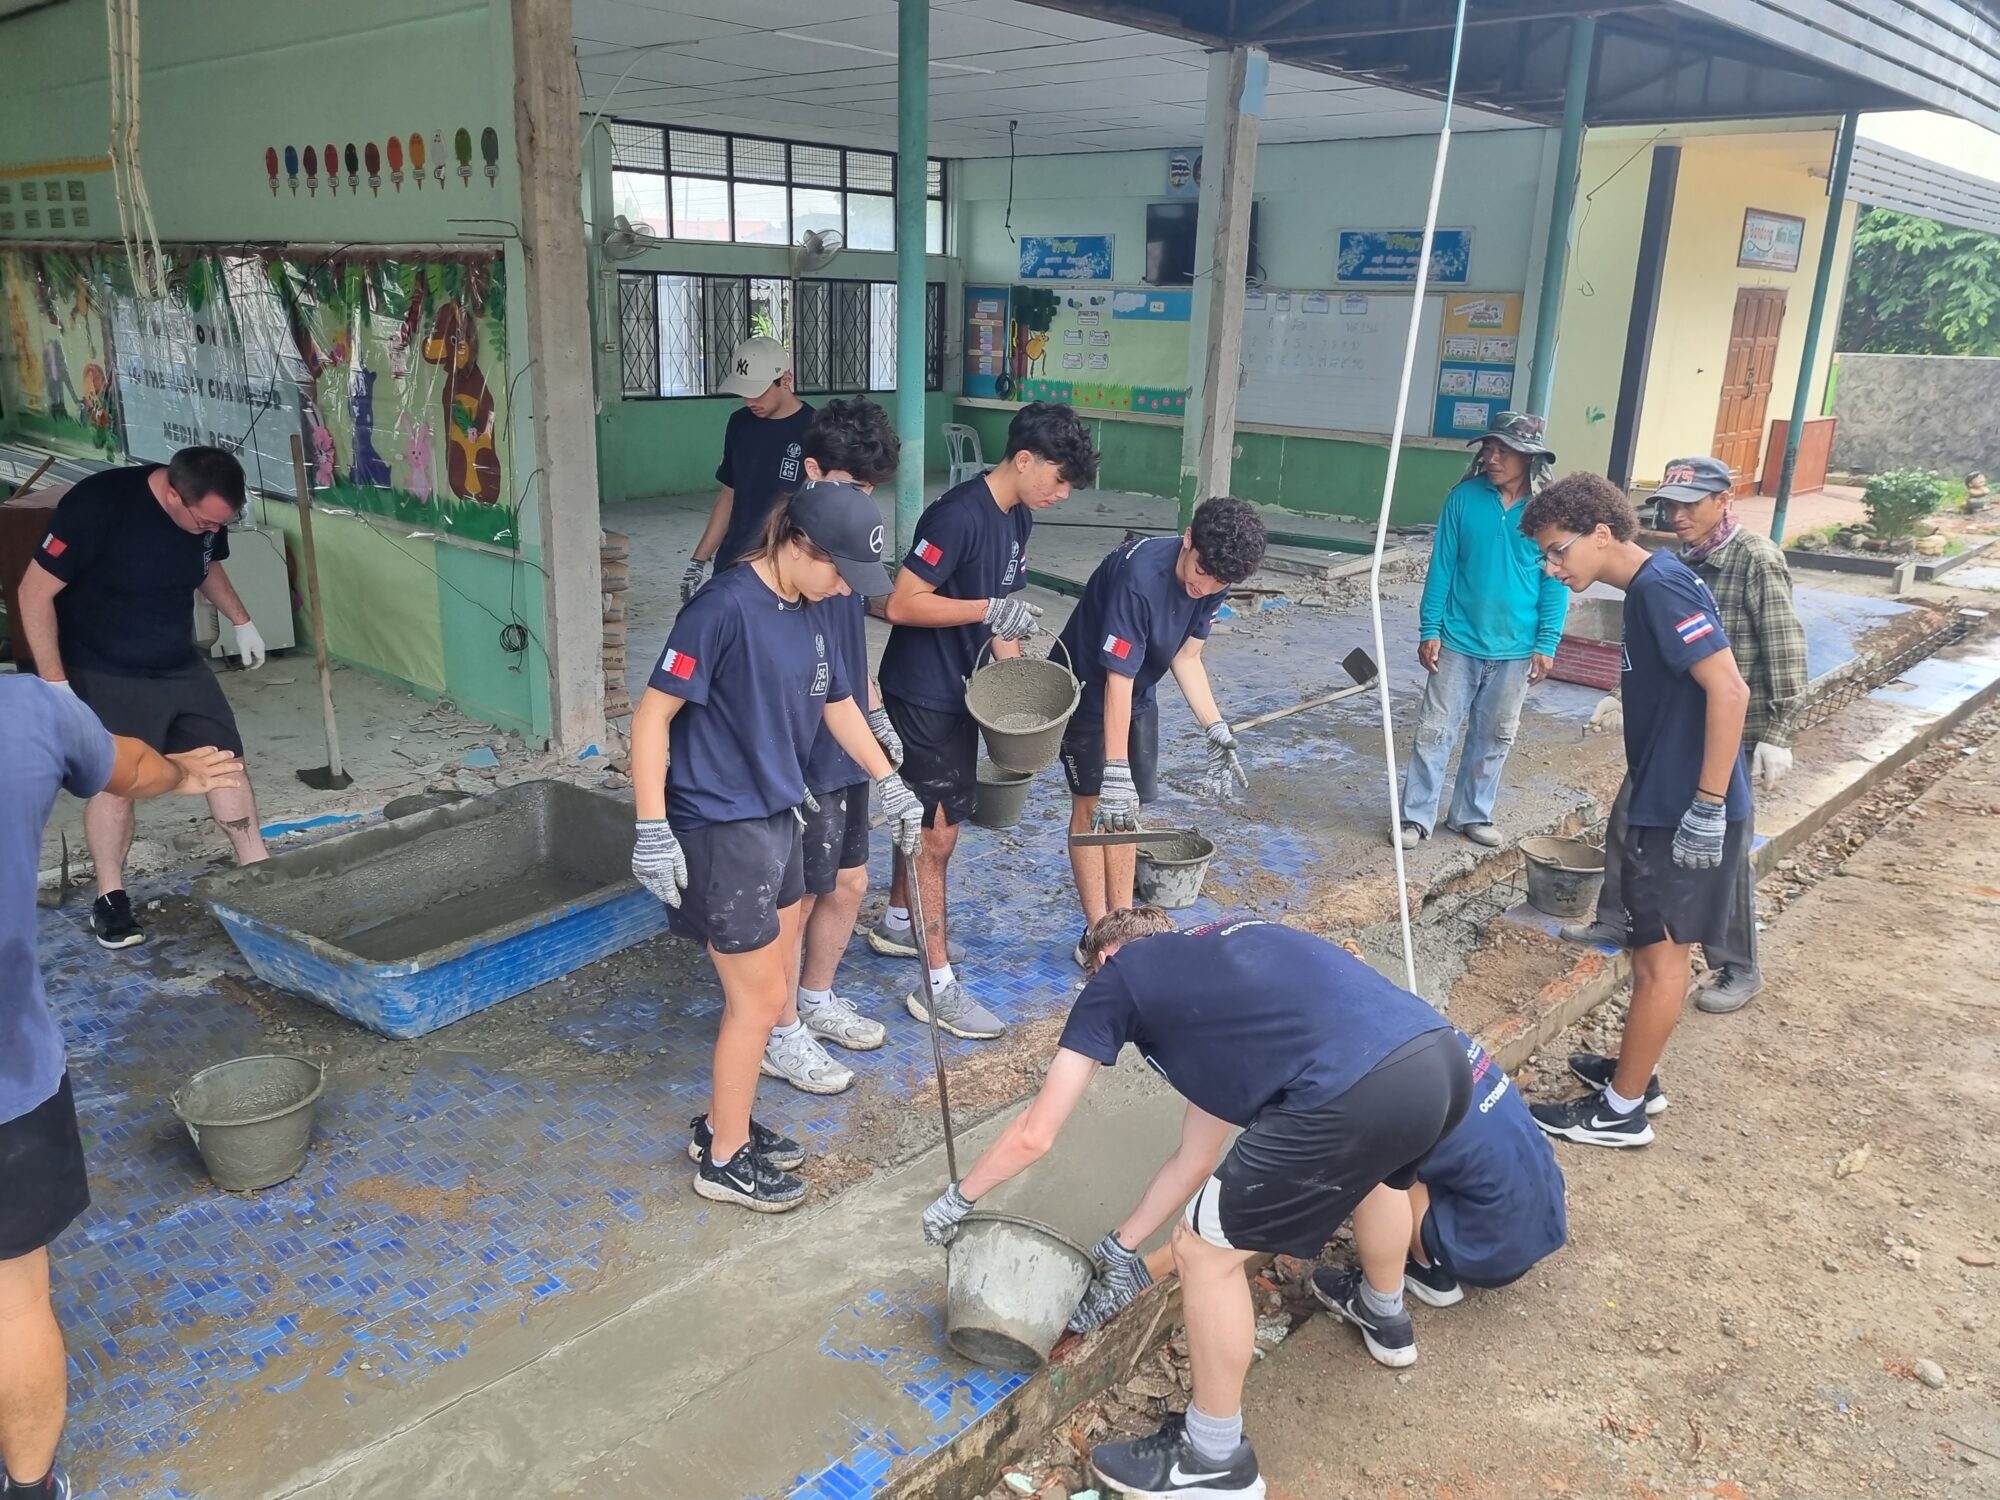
(250, 645)
(1118, 798)
(903, 811)
(692, 577)
(61, 685)
(1011, 619)
(885, 735)
(1608, 717)
(1769, 764)
(657, 861)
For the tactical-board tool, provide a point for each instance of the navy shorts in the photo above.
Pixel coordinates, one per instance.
(836, 837)
(940, 758)
(740, 876)
(1083, 755)
(1666, 902)
(183, 710)
(41, 1163)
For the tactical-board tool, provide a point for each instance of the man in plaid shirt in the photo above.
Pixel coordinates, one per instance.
(1753, 590)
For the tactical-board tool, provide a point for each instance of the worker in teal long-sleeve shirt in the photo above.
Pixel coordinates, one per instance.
(1490, 620)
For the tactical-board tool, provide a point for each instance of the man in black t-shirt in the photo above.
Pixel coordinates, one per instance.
(108, 609)
(763, 452)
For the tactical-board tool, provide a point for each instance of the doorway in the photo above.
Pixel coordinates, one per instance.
(1746, 380)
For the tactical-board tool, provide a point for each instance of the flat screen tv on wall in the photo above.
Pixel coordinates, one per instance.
(1172, 244)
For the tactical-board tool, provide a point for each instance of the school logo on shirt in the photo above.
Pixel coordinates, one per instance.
(788, 469)
(1118, 646)
(54, 545)
(677, 664)
(1014, 563)
(1694, 627)
(928, 551)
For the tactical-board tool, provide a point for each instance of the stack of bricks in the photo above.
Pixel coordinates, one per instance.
(615, 551)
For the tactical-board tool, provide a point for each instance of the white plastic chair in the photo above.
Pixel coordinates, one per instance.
(963, 444)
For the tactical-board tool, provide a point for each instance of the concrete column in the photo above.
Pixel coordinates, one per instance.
(1236, 80)
(1562, 214)
(913, 135)
(564, 492)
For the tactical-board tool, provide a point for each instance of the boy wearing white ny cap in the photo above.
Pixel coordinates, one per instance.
(762, 456)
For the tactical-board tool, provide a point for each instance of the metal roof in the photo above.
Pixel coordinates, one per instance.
(1883, 177)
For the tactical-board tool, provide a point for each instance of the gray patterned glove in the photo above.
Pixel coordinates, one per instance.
(1698, 841)
(1118, 798)
(1123, 1277)
(658, 863)
(1222, 761)
(885, 735)
(903, 811)
(692, 578)
(1012, 619)
(941, 1218)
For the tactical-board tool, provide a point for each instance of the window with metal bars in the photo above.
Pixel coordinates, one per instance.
(755, 190)
(676, 332)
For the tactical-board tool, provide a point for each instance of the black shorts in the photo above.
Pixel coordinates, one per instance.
(1291, 1179)
(183, 710)
(1083, 755)
(940, 758)
(1666, 902)
(835, 837)
(41, 1163)
(740, 876)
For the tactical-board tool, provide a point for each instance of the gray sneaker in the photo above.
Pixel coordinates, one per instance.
(957, 1012)
(837, 1021)
(1595, 933)
(1483, 834)
(900, 942)
(802, 1062)
(1731, 990)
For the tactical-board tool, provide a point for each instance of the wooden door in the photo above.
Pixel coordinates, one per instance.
(1746, 379)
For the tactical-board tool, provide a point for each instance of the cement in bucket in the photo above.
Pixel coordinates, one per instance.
(1564, 875)
(1011, 1285)
(1003, 796)
(1171, 871)
(1022, 705)
(251, 1118)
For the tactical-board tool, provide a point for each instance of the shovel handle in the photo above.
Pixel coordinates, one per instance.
(922, 934)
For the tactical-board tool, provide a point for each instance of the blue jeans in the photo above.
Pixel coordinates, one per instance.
(1484, 698)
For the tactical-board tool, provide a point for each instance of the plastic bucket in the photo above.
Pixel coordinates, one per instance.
(1022, 704)
(251, 1118)
(1010, 1287)
(1003, 796)
(1171, 871)
(1564, 875)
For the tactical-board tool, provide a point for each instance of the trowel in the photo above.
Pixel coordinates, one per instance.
(1358, 665)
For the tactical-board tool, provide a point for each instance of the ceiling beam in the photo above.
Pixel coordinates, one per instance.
(1372, 27)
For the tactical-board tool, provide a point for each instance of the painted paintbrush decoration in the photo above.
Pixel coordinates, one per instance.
(372, 159)
(271, 167)
(437, 155)
(417, 158)
(332, 160)
(489, 148)
(395, 151)
(461, 145)
(312, 173)
(292, 168)
(353, 169)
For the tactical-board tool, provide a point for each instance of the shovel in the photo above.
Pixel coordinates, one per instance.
(329, 777)
(930, 1009)
(1359, 665)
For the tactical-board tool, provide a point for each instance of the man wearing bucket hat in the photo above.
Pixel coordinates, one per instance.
(742, 688)
(49, 742)
(1489, 624)
(1752, 585)
(762, 456)
(1341, 1082)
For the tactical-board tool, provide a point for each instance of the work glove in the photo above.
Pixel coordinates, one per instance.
(1770, 764)
(692, 578)
(885, 735)
(941, 1218)
(61, 685)
(250, 646)
(1123, 1275)
(1118, 798)
(1011, 619)
(657, 861)
(1608, 717)
(1698, 841)
(904, 813)
(1222, 761)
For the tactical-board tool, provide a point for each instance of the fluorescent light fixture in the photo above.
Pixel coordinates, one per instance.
(827, 41)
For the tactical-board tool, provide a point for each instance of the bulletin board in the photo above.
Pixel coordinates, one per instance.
(1480, 348)
(1115, 349)
(1333, 359)
(986, 346)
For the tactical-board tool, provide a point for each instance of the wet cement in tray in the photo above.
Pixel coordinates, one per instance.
(460, 915)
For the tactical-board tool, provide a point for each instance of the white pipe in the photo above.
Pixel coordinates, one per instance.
(1388, 491)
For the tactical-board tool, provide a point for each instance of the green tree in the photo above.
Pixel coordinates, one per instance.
(1920, 287)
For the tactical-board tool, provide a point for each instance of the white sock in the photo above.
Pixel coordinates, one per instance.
(813, 999)
(897, 916)
(792, 1030)
(1617, 1102)
(1382, 1304)
(941, 977)
(1214, 1439)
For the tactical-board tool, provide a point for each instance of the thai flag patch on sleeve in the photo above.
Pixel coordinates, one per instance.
(677, 664)
(1118, 646)
(1694, 627)
(928, 552)
(54, 545)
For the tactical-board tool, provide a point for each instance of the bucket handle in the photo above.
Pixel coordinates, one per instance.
(987, 645)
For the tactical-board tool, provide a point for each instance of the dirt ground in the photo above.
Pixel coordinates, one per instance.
(1793, 1292)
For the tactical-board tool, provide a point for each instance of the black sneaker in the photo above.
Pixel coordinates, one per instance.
(1077, 953)
(1589, 1121)
(751, 1180)
(1595, 1070)
(1391, 1341)
(1433, 1285)
(783, 1154)
(112, 920)
(1164, 1463)
(54, 1487)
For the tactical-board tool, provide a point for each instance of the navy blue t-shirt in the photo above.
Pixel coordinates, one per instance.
(1671, 623)
(757, 674)
(1496, 1191)
(844, 622)
(1243, 1015)
(968, 548)
(1133, 619)
(762, 458)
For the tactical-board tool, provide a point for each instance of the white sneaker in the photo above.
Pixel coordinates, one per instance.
(1409, 835)
(837, 1021)
(802, 1062)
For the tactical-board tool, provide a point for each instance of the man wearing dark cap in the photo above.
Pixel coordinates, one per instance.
(1489, 623)
(1752, 585)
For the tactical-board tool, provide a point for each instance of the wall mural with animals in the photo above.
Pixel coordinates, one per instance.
(55, 352)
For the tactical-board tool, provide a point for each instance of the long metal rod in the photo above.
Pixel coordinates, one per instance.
(913, 130)
(1388, 495)
(1836, 202)
(1562, 215)
(922, 934)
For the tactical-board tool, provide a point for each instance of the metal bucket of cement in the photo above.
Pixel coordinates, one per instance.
(1022, 705)
(1564, 875)
(1171, 871)
(1003, 796)
(251, 1118)
(1010, 1287)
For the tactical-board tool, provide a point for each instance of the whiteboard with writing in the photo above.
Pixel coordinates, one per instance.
(1333, 359)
